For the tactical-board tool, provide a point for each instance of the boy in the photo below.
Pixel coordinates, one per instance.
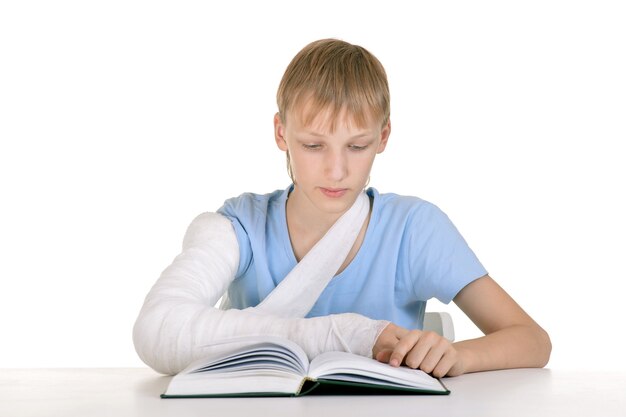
(262, 250)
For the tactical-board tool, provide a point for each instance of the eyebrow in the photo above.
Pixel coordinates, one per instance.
(321, 135)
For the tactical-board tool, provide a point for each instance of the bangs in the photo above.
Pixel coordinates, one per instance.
(332, 79)
(328, 112)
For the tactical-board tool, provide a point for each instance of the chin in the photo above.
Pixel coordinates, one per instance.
(336, 204)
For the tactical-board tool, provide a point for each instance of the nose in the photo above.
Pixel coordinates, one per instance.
(336, 166)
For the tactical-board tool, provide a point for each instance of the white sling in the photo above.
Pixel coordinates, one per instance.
(300, 289)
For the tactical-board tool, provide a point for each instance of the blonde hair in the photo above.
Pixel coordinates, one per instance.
(332, 75)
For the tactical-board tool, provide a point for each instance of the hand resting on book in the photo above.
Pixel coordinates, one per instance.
(418, 349)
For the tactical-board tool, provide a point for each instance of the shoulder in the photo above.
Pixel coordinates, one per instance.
(404, 208)
(251, 205)
(415, 221)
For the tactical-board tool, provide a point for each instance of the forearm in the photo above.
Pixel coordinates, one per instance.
(519, 346)
(171, 334)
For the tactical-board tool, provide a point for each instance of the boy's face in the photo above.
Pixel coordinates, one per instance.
(330, 168)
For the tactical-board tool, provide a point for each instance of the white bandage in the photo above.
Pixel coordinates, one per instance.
(299, 290)
(178, 316)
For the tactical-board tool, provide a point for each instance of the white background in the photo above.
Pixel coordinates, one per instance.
(120, 121)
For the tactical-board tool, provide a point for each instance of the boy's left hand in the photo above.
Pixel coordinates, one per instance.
(418, 349)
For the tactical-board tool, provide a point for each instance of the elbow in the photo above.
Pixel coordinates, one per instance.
(152, 348)
(146, 345)
(544, 347)
(166, 334)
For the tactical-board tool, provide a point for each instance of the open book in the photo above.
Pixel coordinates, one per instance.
(272, 366)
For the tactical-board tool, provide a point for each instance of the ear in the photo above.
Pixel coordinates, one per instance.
(384, 137)
(279, 133)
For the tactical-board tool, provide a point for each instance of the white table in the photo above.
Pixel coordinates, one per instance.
(135, 392)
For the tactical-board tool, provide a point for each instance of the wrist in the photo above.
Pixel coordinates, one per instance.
(468, 359)
(358, 334)
(382, 338)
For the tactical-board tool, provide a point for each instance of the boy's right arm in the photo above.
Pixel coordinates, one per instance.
(178, 316)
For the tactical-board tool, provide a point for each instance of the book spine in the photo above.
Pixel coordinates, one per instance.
(307, 385)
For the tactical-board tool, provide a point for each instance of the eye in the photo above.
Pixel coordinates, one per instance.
(358, 147)
(312, 146)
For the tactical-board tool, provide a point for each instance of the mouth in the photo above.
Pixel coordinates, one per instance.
(334, 192)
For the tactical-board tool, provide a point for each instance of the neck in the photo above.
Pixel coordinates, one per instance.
(304, 215)
(307, 224)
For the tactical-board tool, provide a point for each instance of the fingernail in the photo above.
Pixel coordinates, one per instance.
(394, 362)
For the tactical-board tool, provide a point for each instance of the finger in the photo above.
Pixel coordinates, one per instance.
(434, 355)
(404, 346)
(449, 359)
(421, 350)
(384, 355)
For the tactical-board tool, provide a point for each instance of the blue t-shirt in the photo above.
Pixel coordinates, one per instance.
(411, 252)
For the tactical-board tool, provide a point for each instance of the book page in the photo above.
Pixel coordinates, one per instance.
(245, 366)
(253, 352)
(342, 366)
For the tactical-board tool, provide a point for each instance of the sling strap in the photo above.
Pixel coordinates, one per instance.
(299, 290)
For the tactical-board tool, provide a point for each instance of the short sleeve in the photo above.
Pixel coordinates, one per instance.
(245, 248)
(441, 262)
